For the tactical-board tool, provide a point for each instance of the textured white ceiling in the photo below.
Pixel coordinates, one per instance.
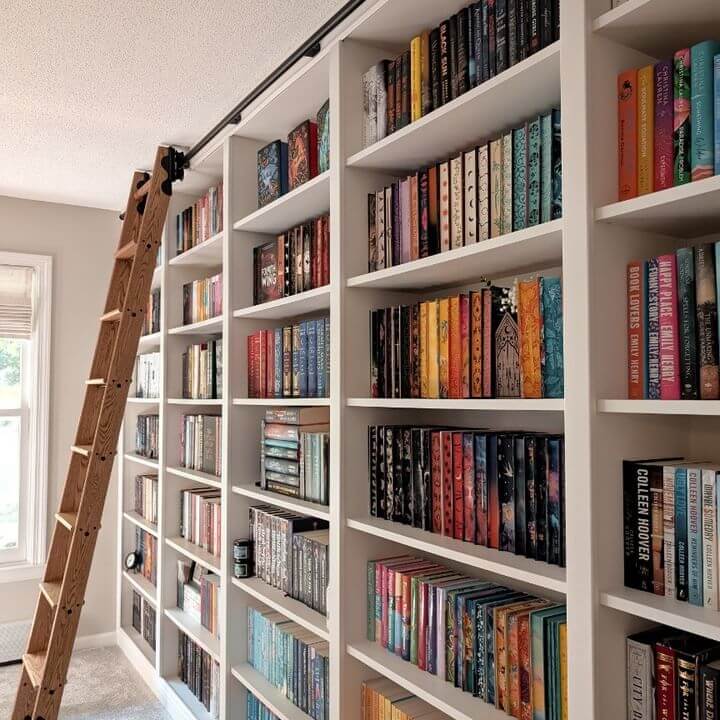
(88, 89)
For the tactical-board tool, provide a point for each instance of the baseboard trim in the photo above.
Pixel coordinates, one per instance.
(87, 642)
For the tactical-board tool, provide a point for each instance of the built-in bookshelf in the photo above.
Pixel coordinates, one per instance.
(589, 247)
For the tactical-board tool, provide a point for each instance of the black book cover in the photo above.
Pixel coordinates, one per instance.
(415, 351)
(523, 24)
(398, 93)
(629, 524)
(485, 41)
(445, 91)
(426, 480)
(541, 465)
(435, 68)
(407, 477)
(388, 354)
(396, 238)
(405, 368)
(398, 476)
(556, 19)
(709, 689)
(642, 479)
(491, 38)
(397, 357)
(501, 36)
(477, 39)
(380, 466)
(546, 23)
(453, 55)
(530, 497)
(423, 213)
(512, 33)
(554, 512)
(493, 489)
(506, 490)
(389, 474)
(692, 652)
(391, 90)
(520, 494)
(372, 469)
(534, 28)
(463, 51)
(405, 89)
(417, 481)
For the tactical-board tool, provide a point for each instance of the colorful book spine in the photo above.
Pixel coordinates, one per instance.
(717, 113)
(415, 79)
(546, 167)
(709, 538)
(687, 314)
(695, 546)
(663, 161)
(668, 314)
(627, 134)
(553, 368)
(529, 316)
(520, 179)
(681, 124)
(507, 147)
(534, 177)
(653, 330)
(681, 534)
(702, 143)
(707, 321)
(668, 504)
(646, 129)
(636, 332)
(496, 188)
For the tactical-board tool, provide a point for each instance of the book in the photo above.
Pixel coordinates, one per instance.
(323, 137)
(702, 83)
(645, 129)
(302, 154)
(663, 141)
(681, 124)
(707, 323)
(272, 171)
(636, 350)
(627, 134)
(668, 327)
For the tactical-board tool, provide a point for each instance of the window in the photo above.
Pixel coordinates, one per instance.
(25, 296)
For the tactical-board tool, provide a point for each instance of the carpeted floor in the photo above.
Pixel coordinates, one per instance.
(102, 685)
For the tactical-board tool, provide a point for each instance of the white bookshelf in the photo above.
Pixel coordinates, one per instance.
(590, 245)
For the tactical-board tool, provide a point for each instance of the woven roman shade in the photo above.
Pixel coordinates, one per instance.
(16, 293)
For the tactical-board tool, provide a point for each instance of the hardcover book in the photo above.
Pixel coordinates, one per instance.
(646, 128)
(663, 161)
(533, 172)
(668, 312)
(687, 315)
(520, 187)
(302, 154)
(507, 344)
(497, 217)
(483, 186)
(627, 134)
(272, 172)
(707, 324)
(530, 337)
(553, 369)
(456, 202)
(702, 142)
(323, 134)
(681, 113)
(471, 197)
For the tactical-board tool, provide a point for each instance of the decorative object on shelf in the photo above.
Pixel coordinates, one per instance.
(133, 560)
(201, 221)
(243, 559)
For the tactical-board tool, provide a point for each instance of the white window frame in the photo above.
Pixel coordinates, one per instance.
(35, 429)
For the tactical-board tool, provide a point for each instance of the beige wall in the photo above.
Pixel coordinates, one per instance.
(80, 241)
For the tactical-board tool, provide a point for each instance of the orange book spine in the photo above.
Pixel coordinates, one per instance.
(646, 129)
(513, 651)
(526, 707)
(424, 384)
(444, 346)
(627, 135)
(475, 344)
(415, 79)
(433, 354)
(455, 351)
(530, 324)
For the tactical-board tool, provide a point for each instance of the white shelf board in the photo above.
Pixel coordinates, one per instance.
(142, 585)
(206, 254)
(498, 404)
(182, 691)
(530, 87)
(685, 211)
(292, 306)
(149, 340)
(195, 476)
(303, 203)
(666, 611)
(140, 460)
(517, 252)
(268, 694)
(140, 521)
(284, 501)
(290, 608)
(196, 553)
(432, 689)
(128, 634)
(505, 564)
(283, 402)
(143, 401)
(660, 407)
(195, 631)
(659, 27)
(190, 401)
(204, 327)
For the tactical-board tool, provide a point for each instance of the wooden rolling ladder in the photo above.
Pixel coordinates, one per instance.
(62, 592)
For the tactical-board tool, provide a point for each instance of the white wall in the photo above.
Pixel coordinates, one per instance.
(81, 242)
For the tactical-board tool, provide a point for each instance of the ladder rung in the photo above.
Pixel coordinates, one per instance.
(127, 251)
(96, 381)
(83, 450)
(51, 590)
(35, 664)
(66, 519)
(112, 316)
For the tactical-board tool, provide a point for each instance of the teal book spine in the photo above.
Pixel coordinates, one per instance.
(681, 534)
(312, 356)
(538, 665)
(695, 563)
(689, 384)
(533, 173)
(556, 158)
(520, 177)
(321, 358)
(553, 370)
(546, 168)
(716, 75)
(702, 82)
(303, 360)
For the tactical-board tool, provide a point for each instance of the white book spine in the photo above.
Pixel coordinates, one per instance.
(669, 530)
(369, 127)
(640, 695)
(483, 192)
(381, 99)
(709, 536)
(456, 202)
(471, 196)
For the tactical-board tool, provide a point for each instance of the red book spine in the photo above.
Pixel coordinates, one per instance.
(405, 614)
(270, 369)
(465, 346)
(469, 487)
(253, 367)
(313, 149)
(422, 625)
(487, 344)
(664, 119)
(665, 691)
(627, 135)
(315, 257)
(447, 484)
(669, 342)
(436, 478)
(262, 363)
(458, 487)
(635, 331)
(326, 250)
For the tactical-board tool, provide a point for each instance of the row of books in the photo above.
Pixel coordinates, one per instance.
(291, 361)
(295, 453)
(284, 166)
(201, 221)
(501, 490)
(672, 674)
(667, 124)
(201, 443)
(504, 646)
(673, 325)
(510, 183)
(291, 554)
(151, 321)
(294, 262)
(146, 375)
(202, 370)
(257, 711)
(143, 618)
(494, 342)
(200, 518)
(199, 671)
(382, 699)
(199, 595)
(670, 529)
(202, 299)
(481, 41)
(146, 548)
(147, 436)
(291, 659)
(145, 497)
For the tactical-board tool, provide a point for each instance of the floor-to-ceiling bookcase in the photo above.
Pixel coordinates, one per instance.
(590, 245)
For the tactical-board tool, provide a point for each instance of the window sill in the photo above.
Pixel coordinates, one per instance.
(17, 572)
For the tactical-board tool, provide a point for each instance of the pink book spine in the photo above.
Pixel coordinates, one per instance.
(405, 219)
(383, 605)
(464, 346)
(669, 346)
(664, 119)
